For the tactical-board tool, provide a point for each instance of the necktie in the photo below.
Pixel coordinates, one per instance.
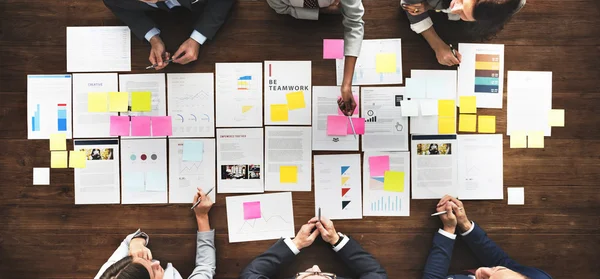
(313, 4)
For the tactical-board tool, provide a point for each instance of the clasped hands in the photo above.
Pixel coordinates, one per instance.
(456, 214)
(309, 232)
(187, 52)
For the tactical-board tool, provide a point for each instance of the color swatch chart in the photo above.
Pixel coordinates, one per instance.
(487, 73)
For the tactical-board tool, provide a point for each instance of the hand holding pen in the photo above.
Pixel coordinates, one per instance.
(202, 202)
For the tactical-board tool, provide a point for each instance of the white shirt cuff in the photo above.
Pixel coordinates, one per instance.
(470, 230)
(342, 244)
(291, 245)
(198, 37)
(422, 25)
(153, 32)
(447, 234)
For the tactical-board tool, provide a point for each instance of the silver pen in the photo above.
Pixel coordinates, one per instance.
(156, 65)
(200, 200)
(438, 213)
(352, 125)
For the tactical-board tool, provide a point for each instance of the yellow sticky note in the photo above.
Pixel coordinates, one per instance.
(279, 113)
(97, 102)
(295, 100)
(246, 109)
(393, 181)
(518, 139)
(141, 101)
(288, 174)
(487, 124)
(556, 118)
(446, 108)
(58, 159)
(118, 101)
(58, 141)
(467, 123)
(446, 125)
(77, 159)
(468, 104)
(535, 139)
(385, 63)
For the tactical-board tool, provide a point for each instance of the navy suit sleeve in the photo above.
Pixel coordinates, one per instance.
(214, 15)
(438, 261)
(132, 13)
(361, 262)
(268, 263)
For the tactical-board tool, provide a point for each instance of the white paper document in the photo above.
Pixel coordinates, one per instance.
(92, 124)
(481, 73)
(41, 176)
(371, 53)
(385, 128)
(153, 83)
(324, 103)
(434, 166)
(391, 201)
(529, 100)
(144, 171)
(99, 181)
(480, 168)
(189, 171)
(287, 92)
(516, 195)
(48, 106)
(437, 85)
(98, 49)
(338, 186)
(191, 101)
(260, 217)
(240, 160)
(288, 159)
(239, 94)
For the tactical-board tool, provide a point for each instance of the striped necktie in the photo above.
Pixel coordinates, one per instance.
(312, 4)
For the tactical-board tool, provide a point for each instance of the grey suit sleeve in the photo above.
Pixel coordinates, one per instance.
(418, 23)
(206, 262)
(136, 19)
(354, 26)
(297, 12)
(212, 18)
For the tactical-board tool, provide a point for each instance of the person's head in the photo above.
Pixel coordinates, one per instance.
(487, 17)
(498, 272)
(134, 268)
(314, 273)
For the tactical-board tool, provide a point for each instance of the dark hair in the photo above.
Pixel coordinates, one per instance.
(126, 269)
(491, 16)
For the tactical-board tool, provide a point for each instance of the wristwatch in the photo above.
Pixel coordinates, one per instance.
(342, 236)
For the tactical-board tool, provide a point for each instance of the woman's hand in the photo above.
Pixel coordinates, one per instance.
(138, 249)
(444, 55)
(202, 209)
(347, 103)
(416, 9)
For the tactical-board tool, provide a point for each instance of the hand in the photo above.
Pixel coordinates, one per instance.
(334, 8)
(327, 230)
(187, 52)
(448, 219)
(306, 236)
(202, 209)
(416, 9)
(459, 210)
(444, 55)
(138, 249)
(347, 103)
(158, 53)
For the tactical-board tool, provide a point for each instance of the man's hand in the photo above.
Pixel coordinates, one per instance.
(138, 249)
(449, 219)
(187, 52)
(444, 55)
(325, 226)
(347, 103)
(158, 53)
(306, 236)
(461, 214)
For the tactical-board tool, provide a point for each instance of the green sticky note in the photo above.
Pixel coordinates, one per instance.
(141, 101)
(58, 159)
(295, 100)
(118, 101)
(288, 174)
(393, 181)
(58, 141)
(77, 159)
(279, 113)
(97, 102)
(385, 63)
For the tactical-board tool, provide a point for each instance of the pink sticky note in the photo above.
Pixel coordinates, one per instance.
(252, 210)
(333, 49)
(119, 125)
(378, 165)
(140, 126)
(355, 109)
(359, 126)
(162, 126)
(337, 125)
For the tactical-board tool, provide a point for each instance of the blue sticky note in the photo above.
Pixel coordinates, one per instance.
(156, 181)
(133, 181)
(193, 150)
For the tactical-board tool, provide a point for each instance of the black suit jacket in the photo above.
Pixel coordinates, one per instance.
(211, 14)
(485, 250)
(359, 261)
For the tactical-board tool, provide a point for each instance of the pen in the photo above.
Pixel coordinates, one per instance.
(319, 215)
(352, 125)
(200, 200)
(156, 65)
(438, 213)
(453, 51)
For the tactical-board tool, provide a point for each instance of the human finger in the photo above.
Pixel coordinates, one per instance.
(152, 58)
(322, 229)
(444, 199)
(178, 54)
(457, 202)
(454, 60)
(313, 235)
(313, 220)
(459, 56)
(149, 254)
(449, 211)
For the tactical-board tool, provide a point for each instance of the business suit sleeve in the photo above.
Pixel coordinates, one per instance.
(297, 12)
(214, 15)
(438, 261)
(354, 26)
(361, 262)
(206, 262)
(121, 252)
(134, 17)
(268, 263)
(418, 23)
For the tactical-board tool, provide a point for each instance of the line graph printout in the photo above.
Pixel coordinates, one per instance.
(239, 94)
(260, 217)
(480, 168)
(187, 175)
(366, 70)
(191, 104)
